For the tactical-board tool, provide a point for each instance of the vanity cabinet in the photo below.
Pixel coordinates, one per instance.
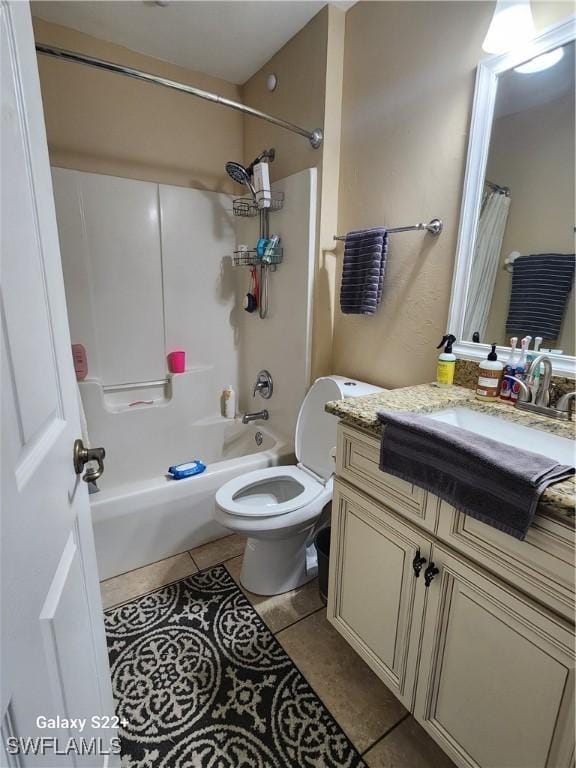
(496, 672)
(374, 600)
(542, 564)
(484, 662)
(358, 462)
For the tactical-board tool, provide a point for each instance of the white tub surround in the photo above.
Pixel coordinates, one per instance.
(142, 520)
(282, 342)
(140, 515)
(148, 270)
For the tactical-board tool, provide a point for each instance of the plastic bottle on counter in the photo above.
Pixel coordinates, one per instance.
(229, 402)
(489, 376)
(520, 372)
(509, 370)
(446, 362)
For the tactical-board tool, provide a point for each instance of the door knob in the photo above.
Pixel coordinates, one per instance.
(83, 455)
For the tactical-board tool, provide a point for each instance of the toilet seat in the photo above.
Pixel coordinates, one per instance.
(268, 492)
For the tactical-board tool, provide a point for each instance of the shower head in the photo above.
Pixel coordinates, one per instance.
(237, 172)
(240, 175)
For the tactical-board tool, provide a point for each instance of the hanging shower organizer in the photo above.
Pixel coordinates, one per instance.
(250, 258)
(247, 207)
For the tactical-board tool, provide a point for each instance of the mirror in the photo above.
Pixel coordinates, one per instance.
(515, 264)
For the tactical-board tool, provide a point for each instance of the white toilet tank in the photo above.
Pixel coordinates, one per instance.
(315, 429)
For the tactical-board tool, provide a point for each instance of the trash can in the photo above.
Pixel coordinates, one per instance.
(322, 543)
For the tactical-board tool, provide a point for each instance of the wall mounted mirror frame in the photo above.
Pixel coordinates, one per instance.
(487, 77)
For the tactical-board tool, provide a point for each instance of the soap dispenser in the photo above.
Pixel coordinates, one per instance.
(489, 377)
(446, 362)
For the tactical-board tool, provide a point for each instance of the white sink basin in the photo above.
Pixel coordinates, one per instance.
(559, 448)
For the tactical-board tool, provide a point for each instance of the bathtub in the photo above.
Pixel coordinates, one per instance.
(141, 516)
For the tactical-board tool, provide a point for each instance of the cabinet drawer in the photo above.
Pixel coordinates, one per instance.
(542, 565)
(358, 462)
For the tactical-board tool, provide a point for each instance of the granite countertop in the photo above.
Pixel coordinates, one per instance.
(558, 501)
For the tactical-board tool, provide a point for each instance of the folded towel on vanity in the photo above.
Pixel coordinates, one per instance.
(365, 254)
(541, 285)
(496, 483)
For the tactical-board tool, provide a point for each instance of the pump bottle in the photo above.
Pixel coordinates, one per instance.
(446, 362)
(489, 376)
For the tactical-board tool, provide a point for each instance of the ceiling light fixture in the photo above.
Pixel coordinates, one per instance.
(540, 63)
(511, 25)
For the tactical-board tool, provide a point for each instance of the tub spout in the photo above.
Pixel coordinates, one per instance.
(248, 417)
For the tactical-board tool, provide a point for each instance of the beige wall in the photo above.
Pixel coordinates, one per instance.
(104, 123)
(532, 152)
(394, 153)
(408, 84)
(409, 72)
(309, 70)
(300, 67)
(547, 12)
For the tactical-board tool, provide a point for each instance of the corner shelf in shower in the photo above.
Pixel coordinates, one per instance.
(250, 258)
(247, 208)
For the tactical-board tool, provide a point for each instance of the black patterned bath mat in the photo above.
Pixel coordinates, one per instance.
(201, 682)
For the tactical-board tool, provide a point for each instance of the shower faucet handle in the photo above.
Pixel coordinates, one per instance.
(264, 385)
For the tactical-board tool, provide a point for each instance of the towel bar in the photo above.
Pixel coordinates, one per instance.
(434, 226)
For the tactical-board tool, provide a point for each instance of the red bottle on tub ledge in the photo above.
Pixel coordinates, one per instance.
(177, 361)
(80, 359)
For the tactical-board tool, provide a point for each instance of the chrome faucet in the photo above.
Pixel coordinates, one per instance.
(538, 385)
(248, 417)
(534, 395)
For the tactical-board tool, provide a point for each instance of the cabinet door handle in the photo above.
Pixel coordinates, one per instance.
(429, 574)
(417, 563)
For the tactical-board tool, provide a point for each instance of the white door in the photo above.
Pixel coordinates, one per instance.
(53, 653)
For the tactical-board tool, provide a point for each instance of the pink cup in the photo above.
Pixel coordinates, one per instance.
(177, 361)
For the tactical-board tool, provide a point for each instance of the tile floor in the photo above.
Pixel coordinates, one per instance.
(373, 719)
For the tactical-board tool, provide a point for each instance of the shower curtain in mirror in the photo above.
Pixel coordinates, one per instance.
(491, 227)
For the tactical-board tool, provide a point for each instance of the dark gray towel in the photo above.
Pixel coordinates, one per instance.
(495, 483)
(365, 254)
(541, 285)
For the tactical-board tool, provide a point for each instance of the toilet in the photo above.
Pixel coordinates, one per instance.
(280, 509)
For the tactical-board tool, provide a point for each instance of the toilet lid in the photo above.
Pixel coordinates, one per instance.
(316, 429)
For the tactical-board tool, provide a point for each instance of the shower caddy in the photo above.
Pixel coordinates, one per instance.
(247, 207)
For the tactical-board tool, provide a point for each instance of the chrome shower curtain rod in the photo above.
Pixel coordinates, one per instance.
(314, 137)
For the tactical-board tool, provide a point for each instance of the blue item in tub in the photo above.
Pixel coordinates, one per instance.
(181, 471)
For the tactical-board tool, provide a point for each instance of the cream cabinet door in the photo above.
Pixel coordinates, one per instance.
(496, 679)
(375, 599)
